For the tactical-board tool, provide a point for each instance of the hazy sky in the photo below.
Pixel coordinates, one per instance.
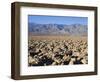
(40, 19)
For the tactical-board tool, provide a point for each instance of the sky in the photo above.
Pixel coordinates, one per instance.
(68, 20)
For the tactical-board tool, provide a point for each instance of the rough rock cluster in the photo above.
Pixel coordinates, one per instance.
(57, 52)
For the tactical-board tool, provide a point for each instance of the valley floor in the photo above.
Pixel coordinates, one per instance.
(57, 50)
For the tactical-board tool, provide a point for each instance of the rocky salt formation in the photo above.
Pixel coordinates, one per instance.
(57, 52)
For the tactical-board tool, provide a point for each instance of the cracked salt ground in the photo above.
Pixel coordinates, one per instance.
(56, 52)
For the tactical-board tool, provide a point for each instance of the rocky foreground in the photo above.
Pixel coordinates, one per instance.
(57, 52)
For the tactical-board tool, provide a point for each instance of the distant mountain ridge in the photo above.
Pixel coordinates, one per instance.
(57, 29)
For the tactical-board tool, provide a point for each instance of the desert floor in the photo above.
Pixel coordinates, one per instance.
(57, 50)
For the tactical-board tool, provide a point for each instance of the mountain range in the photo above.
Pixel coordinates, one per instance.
(57, 29)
